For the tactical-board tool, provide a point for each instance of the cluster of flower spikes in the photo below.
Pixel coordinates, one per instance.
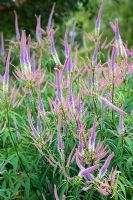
(91, 154)
(88, 153)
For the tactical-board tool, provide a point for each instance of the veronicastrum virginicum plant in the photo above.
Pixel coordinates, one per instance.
(58, 123)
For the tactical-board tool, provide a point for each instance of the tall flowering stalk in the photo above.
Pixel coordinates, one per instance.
(98, 20)
(53, 49)
(6, 75)
(29, 45)
(24, 58)
(95, 54)
(92, 138)
(49, 25)
(113, 76)
(118, 41)
(33, 129)
(70, 97)
(60, 144)
(59, 96)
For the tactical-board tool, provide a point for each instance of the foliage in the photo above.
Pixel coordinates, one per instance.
(66, 120)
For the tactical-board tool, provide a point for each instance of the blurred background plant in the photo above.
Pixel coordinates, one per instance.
(66, 11)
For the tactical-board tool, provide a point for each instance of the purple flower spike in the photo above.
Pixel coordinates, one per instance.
(85, 173)
(38, 29)
(60, 144)
(29, 46)
(22, 49)
(78, 161)
(109, 104)
(39, 123)
(16, 26)
(34, 131)
(58, 85)
(40, 105)
(106, 164)
(94, 58)
(53, 50)
(121, 128)
(24, 58)
(2, 48)
(81, 145)
(6, 75)
(92, 137)
(49, 26)
(118, 41)
(98, 20)
(69, 64)
(70, 97)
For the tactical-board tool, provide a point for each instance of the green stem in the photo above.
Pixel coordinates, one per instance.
(113, 88)
(15, 146)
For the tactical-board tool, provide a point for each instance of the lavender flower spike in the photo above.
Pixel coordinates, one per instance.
(6, 75)
(49, 26)
(98, 20)
(94, 58)
(34, 131)
(92, 137)
(118, 41)
(70, 97)
(68, 65)
(58, 85)
(53, 50)
(29, 47)
(81, 145)
(24, 58)
(2, 49)
(86, 172)
(16, 26)
(109, 104)
(38, 29)
(40, 105)
(60, 144)
(106, 164)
